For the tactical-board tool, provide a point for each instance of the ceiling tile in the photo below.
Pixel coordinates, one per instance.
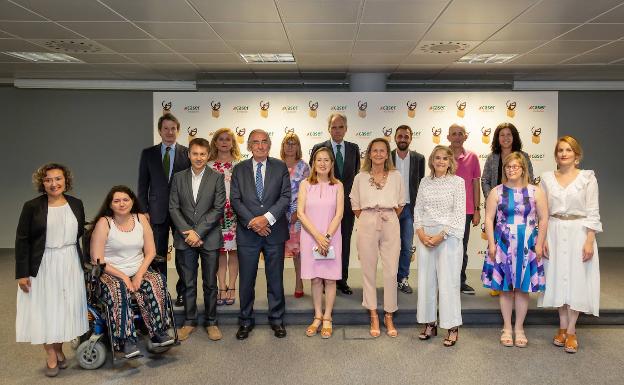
(237, 10)
(568, 46)
(260, 46)
(227, 75)
(223, 67)
(461, 31)
(9, 11)
(617, 48)
(36, 30)
(541, 58)
(323, 46)
(250, 31)
(614, 16)
(314, 11)
(219, 58)
(532, 31)
(311, 31)
(173, 67)
(157, 58)
(324, 75)
(517, 46)
(483, 11)
(383, 47)
(596, 32)
(154, 10)
(592, 58)
(376, 59)
(106, 30)
(9, 59)
(67, 10)
(402, 11)
(200, 30)
(305, 59)
(566, 11)
(392, 31)
(101, 58)
(135, 46)
(91, 75)
(357, 68)
(197, 46)
(278, 67)
(331, 68)
(4, 35)
(143, 76)
(291, 75)
(120, 68)
(433, 58)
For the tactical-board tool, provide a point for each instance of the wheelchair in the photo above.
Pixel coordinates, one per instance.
(92, 347)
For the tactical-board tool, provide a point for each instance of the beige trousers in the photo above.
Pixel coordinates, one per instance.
(378, 234)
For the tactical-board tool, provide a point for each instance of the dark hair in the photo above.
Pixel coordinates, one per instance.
(200, 142)
(404, 127)
(516, 145)
(106, 211)
(168, 116)
(41, 172)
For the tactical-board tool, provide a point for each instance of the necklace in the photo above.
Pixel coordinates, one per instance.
(378, 185)
(119, 227)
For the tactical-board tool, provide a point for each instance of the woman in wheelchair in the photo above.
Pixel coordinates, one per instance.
(122, 239)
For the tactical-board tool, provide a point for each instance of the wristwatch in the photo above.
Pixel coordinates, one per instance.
(328, 237)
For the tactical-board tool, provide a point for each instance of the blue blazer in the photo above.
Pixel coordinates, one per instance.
(275, 199)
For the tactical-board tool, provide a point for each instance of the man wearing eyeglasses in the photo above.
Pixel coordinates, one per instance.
(260, 195)
(468, 168)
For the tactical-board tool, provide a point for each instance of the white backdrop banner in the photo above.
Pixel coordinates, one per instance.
(371, 115)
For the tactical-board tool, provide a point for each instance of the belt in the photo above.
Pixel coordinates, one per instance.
(381, 216)
(567, 217)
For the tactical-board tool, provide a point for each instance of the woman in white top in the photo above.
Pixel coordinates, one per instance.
(123, 240)
(439, 219)
(572, 271)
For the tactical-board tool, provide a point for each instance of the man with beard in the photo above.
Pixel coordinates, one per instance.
(411, 165)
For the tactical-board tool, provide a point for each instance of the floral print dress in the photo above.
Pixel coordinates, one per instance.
(228, 222)
(298, 173)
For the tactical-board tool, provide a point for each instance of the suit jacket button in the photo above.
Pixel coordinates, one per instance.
(261, 205)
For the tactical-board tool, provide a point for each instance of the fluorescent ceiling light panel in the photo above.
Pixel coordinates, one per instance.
(44, 57)
(79, 84)
(487, 58)
(268, 57)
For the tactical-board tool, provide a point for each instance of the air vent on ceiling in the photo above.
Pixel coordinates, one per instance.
(72, 46)
(444, 47)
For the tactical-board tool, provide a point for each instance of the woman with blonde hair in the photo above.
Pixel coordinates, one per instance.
(224, 155)
(439, 221)
(572, 269)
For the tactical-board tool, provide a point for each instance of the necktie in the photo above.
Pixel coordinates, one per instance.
(259, 184)
(167, 162)
(339, 159)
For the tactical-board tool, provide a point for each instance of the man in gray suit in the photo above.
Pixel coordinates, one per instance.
(196, 206)
(260, 195)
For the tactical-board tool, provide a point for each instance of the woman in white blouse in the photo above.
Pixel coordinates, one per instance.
(439, 218)
(572, 272)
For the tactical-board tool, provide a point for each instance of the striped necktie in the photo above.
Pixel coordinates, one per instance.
(259, 184)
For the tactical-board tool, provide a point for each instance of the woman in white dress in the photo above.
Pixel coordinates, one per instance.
(51, 298)
(572, 270)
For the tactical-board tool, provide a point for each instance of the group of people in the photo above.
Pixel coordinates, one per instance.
(229, 213)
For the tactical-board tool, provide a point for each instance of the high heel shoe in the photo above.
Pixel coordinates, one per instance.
(227, 300)
(220, 299)
(374, 324)
(299, 294)
(571, 344)
(313, 329)
(448, 342)
(326, 332)
(560, 338)
(389, 324)
(429, 331)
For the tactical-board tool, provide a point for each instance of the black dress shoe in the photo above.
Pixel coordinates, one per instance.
(345, 289)
(279, 331)
(179, 302)
(243, 332)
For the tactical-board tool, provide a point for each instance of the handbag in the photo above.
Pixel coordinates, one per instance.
(319, 257)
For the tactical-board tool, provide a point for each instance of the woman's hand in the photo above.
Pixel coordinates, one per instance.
(24, 284)
(129, 284)
(546, 251)
(323, 244)
(588, 250)
(136, 281)
(436, 239)
(425, 239)
(492, 252)
(539, 251)
(294, 217)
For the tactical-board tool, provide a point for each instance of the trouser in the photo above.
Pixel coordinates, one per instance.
(209, 264)
(151, 300)
(161, 239)
(248, 257)
(406, 222)
(437, 274)
(465, 244)
(377, 235)
(346, 228)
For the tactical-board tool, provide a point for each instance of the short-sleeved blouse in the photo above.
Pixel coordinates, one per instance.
(365, 196)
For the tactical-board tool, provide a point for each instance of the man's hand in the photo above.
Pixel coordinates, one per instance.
(476, 218)
(264, 232)
(192, 238)
(258, 223)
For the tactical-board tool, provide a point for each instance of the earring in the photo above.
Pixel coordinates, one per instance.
(576, 162)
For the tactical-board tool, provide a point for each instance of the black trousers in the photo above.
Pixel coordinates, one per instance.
(161, 239)
(466, 238)
(209, 264)
(248, 257)
(346, 228)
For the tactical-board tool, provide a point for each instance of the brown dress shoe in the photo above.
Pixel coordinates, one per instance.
(185, 331)
(214, 334)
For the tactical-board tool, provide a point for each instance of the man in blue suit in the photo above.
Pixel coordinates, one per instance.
(156, 168)
(260, 195)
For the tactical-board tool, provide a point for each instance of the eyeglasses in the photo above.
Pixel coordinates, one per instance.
(259, 142)
(513, 167)
(291, 143)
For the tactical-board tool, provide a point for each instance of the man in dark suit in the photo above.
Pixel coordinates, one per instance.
(196, 206)
(260, 195)
(411, 165)
(157, 166)
(346, 166)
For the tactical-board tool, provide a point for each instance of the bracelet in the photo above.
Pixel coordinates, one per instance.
(328, 237)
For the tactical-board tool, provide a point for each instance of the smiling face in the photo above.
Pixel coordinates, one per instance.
(403, 139)
(260, 145)
(121, 204)
(441, 162)
(565, 155)
(323, 163)
(198, 156)
(505, 139)
(54, 182)
(378, 154)
(457, 136)
(224, 143)
(514, 171)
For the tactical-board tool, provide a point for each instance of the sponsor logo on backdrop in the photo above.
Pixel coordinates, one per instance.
(240, 134)
(310, 153)
(487, 108)
(387, 132)
(411, 109)
(362, 108)
(290, 109)
(191, 109)
(166, 106)
(314, 134)
(537, 180)
(484, 156)
(437, 108)
(461, 108)
(388, 108)
(511, 107)
(436, 131)
(192, 132)
(483, 234)
(245, 155)
(313, 107)
(338, 108)
(362, 154)
(216, 106)
(289, 130)
(241, 109)
(537, 108)
(485, 137)
(538, 156)
(536, 131)
(264, 108)
(364, 134)
(416, 134)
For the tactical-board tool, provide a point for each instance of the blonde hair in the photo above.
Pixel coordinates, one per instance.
(452, 168)
(235, 150)
(517, 156)
(313, 178)
(295, 138)
(574, 144)
(368, 163)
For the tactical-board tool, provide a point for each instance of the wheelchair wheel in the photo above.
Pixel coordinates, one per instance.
(91, 358)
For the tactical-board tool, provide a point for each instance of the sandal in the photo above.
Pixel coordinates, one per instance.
(560, 338)
(448, 342)
(313, 329)
(521, 340)
(229, 301)
(326, 332)
(506, 338)
(374, 324)
(571, 344)
(429, 331)
(220, 300)
(389, 324)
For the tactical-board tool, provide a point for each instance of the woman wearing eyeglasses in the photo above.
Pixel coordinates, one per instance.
(513, 263)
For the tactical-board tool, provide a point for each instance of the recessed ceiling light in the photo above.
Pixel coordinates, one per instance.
(444, 47)
(268, 57)
(44, 57)
(487, 58)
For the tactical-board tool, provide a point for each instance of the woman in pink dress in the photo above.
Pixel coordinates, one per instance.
(320, 209)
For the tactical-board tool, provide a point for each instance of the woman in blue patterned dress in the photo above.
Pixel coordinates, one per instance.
(513, 264)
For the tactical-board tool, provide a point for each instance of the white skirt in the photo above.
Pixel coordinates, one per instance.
(55, 309)
(569, 280)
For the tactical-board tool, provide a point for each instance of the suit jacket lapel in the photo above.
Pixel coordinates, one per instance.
(202, 184)
(348, 160)
(188, 181)
(267, 175)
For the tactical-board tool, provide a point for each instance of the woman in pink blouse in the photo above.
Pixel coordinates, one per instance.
(377, 199)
